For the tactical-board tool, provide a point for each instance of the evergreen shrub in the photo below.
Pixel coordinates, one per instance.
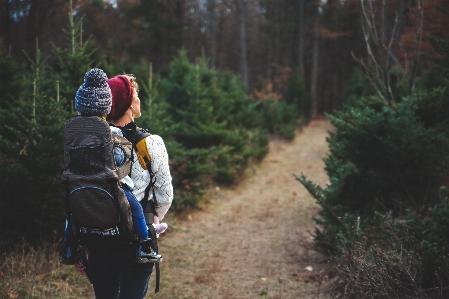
(295, 94)
(383, 161)
(32, 200)
(280, 118)
(383, 214)
(11, 83)
(214, 130)
(359, 93)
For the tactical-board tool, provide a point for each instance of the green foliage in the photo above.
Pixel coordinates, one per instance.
(431, 107)
(214, 124)
(434, 78)
(32, 203)
(72, 62)
(388, 160)
(431, 228)
(11, 83)
(359, 93)
(31, 145)
(211, 127)
(160, 31)
(295, 95)
(281, 115)
(280, 118)
(383, 161)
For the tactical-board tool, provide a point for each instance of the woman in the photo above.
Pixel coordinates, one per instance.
(112, 271)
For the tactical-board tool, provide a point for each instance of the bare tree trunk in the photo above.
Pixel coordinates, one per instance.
(242, 41)
(212, 33)
(314, 81)
(301, 39)
(400, 24)
(417, 46)
(5, 10)
(384, 37)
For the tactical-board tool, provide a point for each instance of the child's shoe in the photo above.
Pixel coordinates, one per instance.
(68, 257)
(146, 254)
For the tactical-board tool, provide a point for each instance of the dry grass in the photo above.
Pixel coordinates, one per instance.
(391, 268)
(252, 240)
(36, 273)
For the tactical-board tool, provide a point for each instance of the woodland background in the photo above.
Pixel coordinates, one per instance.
(264, 41)
(218, 79)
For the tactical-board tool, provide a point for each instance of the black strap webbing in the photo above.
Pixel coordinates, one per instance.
(140, 134)
(158, 271)
(148, 207)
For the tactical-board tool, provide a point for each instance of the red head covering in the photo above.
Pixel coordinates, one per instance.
(122, 96)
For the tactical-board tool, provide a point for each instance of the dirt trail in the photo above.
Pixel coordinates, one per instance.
(251, 241)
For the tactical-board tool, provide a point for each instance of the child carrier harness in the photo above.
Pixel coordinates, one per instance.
(97, 209)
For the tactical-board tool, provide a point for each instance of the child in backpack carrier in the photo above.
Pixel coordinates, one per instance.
(94, 98)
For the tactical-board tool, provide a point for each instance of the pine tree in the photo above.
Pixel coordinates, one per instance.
(73, 61)
(31, 149)
(32, 203)
(214, 124)
(11, 83)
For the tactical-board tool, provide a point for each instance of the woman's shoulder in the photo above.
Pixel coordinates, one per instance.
(155, 141)
(155, 137)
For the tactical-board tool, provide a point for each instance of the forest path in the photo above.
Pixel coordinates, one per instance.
(252, 240)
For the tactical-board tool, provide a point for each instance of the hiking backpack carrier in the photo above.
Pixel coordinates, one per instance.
(97, 208)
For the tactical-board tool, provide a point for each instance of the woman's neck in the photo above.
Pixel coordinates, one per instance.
(124, 120)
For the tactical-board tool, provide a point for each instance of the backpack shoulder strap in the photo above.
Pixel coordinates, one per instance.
(143, 155)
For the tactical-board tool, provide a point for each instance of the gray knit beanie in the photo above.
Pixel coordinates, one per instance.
(94, 96)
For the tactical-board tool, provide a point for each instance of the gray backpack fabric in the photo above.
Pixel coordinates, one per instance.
(97, 208)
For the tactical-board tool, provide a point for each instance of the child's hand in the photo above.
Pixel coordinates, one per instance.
(155, 220)
(160, 227)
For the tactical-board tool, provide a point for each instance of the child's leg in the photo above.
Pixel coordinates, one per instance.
(140, 226)
(145, 252)
(69, 249)
(67, 232)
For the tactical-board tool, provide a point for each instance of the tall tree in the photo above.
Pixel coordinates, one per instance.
(301, 38)
(241, 8)
(211, 4)
(383, 24)
(156, 30)
(314, 81)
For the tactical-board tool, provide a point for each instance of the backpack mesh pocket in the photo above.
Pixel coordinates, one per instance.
(87, 160)
(93, 207)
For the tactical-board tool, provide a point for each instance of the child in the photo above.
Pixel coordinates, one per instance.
(94, 98)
